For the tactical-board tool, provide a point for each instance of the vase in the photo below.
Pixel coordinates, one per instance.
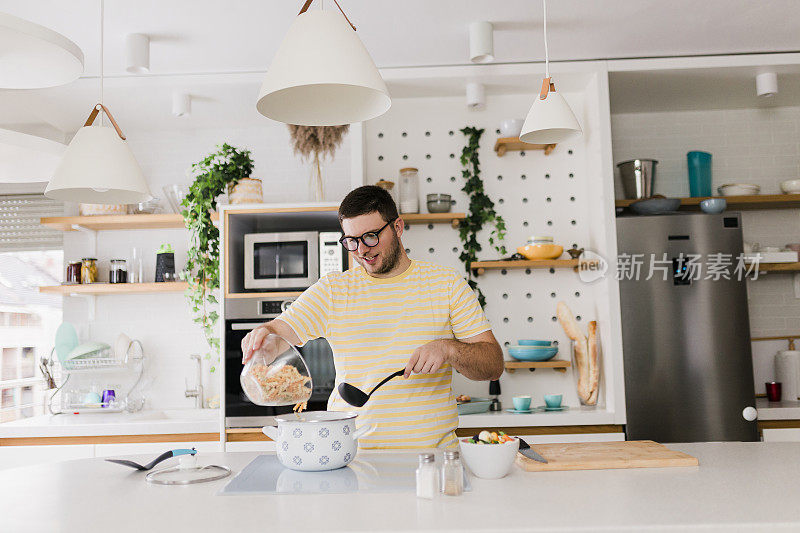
(315, 191)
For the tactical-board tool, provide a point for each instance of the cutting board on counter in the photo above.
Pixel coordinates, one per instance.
(604, 455)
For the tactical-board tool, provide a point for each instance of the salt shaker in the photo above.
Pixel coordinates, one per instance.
(452, 474)
(427, 477)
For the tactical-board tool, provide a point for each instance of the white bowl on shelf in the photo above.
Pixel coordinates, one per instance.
(790, 186)
(739, 189)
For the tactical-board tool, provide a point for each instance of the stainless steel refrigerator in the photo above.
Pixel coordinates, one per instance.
(686, 338)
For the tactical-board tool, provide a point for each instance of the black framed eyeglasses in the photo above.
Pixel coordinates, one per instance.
(370, 239)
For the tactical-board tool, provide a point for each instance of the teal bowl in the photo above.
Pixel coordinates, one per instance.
(531, 342)
(532, 353)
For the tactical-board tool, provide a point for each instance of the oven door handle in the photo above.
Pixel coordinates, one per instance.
(245, 326)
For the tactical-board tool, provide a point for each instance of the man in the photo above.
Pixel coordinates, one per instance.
(390, 313)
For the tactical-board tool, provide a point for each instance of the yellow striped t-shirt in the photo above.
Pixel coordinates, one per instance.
(373, 326)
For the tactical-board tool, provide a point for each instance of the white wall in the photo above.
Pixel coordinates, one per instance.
(163, 322)
(760, 146)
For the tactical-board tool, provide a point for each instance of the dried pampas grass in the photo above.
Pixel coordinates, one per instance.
(314, 143)
(308, 141)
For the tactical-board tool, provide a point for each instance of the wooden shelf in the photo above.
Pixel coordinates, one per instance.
(558, 366)
(116, 288)
(454, 219)
(779, 267)
(505, 144)
(117, 222)
(737, 203)
(481, 266)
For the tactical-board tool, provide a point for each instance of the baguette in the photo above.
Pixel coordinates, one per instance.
(573, 331)
(594, 367)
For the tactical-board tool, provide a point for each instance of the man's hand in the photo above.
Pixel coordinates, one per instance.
(428, 358)
(253, 340)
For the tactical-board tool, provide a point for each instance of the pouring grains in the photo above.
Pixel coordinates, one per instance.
(285, 385)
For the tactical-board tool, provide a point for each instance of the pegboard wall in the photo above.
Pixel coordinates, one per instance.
(535, 194)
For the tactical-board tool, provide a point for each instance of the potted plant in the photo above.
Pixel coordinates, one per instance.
(213, 174)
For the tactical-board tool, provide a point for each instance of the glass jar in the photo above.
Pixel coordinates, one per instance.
(73, 275)
(427, 477)
(452, 474)
(388, 186)
(118, 271)
(409, 190)
(89, 270)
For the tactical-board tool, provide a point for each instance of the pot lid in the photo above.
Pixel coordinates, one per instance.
(187, 472)
(317, 416)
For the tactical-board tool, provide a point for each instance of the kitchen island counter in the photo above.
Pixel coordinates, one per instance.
(737, 486)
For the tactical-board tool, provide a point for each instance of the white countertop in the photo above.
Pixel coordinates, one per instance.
(787, 410)
(737, 486)
(149, 422)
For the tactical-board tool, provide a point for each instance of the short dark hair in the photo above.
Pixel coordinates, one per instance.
(368, 199)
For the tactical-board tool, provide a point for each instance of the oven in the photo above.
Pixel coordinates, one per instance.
(291, 260)
(243, 315)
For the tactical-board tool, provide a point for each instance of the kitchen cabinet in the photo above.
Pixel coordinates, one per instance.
(250, 446)
(155, 448)
(15, 456)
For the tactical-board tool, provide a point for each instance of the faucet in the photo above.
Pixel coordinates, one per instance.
(197, 392)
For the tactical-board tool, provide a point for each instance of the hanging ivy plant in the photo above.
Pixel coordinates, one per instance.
(481, 210)
(212, 175)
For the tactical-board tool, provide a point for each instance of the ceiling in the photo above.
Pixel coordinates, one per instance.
(218, 50)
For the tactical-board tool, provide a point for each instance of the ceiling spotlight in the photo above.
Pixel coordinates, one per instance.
(767, 84)
(181, 104)
(481, 42)
(137, 53)
(476, 95)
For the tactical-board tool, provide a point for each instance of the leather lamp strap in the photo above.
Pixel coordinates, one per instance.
(96, 111)
(547, 86)
(308, 4)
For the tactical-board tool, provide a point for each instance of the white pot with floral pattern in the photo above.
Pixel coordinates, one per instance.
(317, 440)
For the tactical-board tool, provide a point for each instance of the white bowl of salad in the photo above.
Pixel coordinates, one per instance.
(489, 455)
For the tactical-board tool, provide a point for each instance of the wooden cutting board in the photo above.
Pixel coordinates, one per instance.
(604, 455)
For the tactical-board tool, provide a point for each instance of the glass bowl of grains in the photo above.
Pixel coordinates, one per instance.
(277, 374)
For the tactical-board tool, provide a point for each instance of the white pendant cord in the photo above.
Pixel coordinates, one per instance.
(102, 20)
(546, 55)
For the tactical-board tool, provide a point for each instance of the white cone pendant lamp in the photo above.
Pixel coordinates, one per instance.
(322, 75)
(550, 119)
(98, 166)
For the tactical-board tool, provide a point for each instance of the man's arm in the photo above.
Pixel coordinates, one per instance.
(478, 358)
(252, 341)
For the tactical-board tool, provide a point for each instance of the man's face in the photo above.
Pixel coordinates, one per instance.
(383, 257)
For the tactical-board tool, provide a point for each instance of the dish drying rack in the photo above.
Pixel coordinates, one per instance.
(102, 362)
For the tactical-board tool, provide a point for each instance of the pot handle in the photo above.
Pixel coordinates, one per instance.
(366, 429)
(271, 432)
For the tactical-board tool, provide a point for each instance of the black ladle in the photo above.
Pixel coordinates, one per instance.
(356, 397)
(164, 456)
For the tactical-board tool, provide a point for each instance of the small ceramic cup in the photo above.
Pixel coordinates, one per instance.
(552, 400)
(521, 403)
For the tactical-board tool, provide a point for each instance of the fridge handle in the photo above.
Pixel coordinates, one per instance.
(750, 413)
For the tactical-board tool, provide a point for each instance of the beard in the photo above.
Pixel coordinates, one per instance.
(389, 258)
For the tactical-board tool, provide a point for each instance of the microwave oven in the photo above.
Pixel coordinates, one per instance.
(291, 260)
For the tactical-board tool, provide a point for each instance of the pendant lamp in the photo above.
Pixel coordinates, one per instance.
(322, 75)
(27, 158)
(35, 57)
(98, 166)
(550, 119)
